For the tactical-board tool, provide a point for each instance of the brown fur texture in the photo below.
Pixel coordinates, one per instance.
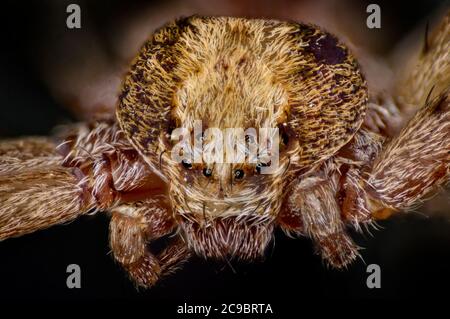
(426, 72)
(346, 158)
(36, 192)
(418, 160)
(132, 228)
(231, 72)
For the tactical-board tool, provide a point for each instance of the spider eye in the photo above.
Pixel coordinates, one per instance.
(238, 174)
(285, 138)
(284, 134)
(207, 172)
(261, 165)
(250, 139)
(186, 163)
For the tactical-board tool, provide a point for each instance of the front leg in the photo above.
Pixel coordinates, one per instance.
(410, 168)
(312, 209)
(94, 169)
(417, 161)
(36, 191)
(132, 227)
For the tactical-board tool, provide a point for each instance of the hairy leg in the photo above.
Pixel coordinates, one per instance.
(410, 168)
(312, 210)
(43, 185)
(421, 71)
(417, 161)
(36, 192)
(423, 66)
(132, 228)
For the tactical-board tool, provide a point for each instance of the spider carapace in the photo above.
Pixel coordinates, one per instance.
(341, 162)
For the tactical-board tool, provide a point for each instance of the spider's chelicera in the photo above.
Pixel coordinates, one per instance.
(335, 157)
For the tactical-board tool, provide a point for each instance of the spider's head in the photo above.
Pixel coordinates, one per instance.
(201, 74)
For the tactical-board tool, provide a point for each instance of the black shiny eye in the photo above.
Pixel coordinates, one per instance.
(258, 168)
(238, 174)
(186, 163)
(207, 172)
(260, 165)
(284, 133)
(285, 138)
(250, 139)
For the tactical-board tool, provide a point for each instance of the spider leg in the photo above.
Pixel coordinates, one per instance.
(42, 185)
(422, 67)
(417, 161)
(36, 192)
(132, 228)
(410, 167)
(420, 71)
(314, 201)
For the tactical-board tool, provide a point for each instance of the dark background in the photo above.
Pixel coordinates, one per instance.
(412, 250)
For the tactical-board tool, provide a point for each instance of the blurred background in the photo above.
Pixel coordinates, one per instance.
(51, 75)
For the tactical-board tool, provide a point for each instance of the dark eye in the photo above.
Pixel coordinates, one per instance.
(284, 134)
(249, 139)
(258, 168)
(207, 172)
(238, 174)
(260, 165)
(186, 163)
(285, 138)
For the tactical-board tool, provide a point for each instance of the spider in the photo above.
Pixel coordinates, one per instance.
(349, 154)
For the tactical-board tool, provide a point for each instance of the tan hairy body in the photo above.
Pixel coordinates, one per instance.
(339, 164)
